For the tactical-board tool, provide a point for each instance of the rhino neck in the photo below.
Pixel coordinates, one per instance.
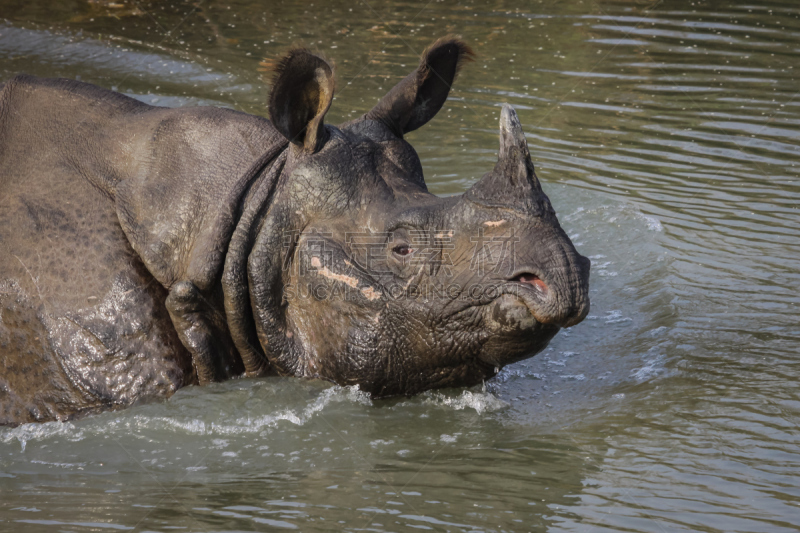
(234, 278)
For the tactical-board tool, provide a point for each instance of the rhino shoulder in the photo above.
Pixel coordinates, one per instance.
(180, 206)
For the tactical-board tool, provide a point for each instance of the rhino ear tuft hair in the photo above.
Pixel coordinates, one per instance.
(302, 91)
(420, 95)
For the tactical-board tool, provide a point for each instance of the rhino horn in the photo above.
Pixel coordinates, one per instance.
(512, 184)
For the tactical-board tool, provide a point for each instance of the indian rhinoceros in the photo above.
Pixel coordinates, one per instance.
(144, 249)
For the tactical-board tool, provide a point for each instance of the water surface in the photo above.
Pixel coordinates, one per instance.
(667, 135)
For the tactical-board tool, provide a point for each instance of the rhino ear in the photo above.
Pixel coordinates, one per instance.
(415, 100)
(302, 91)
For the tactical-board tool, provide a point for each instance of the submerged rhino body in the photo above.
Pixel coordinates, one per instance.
(143, 249)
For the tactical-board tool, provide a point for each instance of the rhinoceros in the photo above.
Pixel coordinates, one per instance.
(144, 249)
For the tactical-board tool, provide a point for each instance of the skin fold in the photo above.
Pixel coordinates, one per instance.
(144, 249)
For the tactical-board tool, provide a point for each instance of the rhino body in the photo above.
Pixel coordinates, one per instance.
(144, 249)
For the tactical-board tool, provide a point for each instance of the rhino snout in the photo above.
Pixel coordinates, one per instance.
(559, 298)
(580, 293)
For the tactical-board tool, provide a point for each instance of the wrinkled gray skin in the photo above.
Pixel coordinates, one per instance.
(143, 249)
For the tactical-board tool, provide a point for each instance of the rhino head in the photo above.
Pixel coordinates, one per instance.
(358, 275)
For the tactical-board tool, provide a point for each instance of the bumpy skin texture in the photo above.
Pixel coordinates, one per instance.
(143, 249)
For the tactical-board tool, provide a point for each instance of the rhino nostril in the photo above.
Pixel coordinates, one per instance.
(533, 280)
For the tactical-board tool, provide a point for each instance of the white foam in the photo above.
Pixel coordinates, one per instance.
(481, 402)
(615, 317)
(38, 432)
(651, 369)
(190, 426)
(296, 417)
(653, 224)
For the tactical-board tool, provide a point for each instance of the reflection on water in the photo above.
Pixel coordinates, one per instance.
(666, 134)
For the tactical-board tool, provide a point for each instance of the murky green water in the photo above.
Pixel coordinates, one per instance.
(667, 135)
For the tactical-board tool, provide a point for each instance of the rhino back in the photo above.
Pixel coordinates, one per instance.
(65, 123)
(177, 176)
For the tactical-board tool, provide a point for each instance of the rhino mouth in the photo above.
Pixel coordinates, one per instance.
(532, 292)
(521, 316)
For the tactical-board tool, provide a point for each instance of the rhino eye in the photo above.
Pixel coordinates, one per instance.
(402, 250)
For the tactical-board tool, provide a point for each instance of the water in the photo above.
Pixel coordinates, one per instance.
(666, 134)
